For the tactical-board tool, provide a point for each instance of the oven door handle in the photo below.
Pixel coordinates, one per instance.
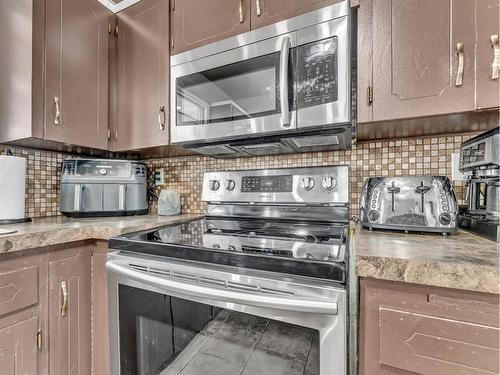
(288, 303)
(284, 57)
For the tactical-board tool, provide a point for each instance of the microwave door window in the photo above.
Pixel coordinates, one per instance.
(243, 90)
(317, 73)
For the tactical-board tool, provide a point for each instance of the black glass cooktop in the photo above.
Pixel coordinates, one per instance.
(306, 249)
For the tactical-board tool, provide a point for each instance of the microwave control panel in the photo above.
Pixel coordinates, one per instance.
(317, 77)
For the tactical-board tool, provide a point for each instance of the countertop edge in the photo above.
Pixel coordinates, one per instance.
(20, 241)
(475, 278)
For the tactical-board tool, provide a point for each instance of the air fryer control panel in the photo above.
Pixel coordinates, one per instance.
(103, 168)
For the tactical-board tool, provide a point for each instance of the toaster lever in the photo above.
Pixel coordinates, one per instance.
(393, 190)
(422, 189)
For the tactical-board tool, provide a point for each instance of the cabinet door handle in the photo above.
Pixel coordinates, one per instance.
(258, 11)
(495, 65)
(64, 304)
(460, 70)
(162, 117)
(57, 115)
(240, 12)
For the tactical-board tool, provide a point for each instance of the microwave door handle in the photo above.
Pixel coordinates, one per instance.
(284, 56)
(193, 289)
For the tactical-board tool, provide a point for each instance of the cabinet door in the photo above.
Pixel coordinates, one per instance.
(265, 12)
(407, 329)
(143, 76)
(18, 350)
(196, 23)
(70, 315)
(487, 27)
(415, 59)
(365, 61)
(76, 100)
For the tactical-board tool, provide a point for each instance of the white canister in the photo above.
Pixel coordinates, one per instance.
(169, 202)
(12, 187)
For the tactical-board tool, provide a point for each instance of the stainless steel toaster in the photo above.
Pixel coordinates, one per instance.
(417, 203)
(101, 187)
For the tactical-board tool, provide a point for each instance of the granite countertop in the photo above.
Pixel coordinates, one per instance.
(460, 261)
(60, 230)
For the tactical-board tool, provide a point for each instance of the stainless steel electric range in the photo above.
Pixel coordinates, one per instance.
(258, 286)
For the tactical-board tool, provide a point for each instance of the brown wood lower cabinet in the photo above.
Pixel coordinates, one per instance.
(70, 312)
(409, 329)
(47, 305)
(18, 351)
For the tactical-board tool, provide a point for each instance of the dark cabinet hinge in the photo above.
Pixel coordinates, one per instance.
(369, 95)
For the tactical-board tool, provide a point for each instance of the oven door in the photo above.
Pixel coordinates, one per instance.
(238, 93)
(176, 318)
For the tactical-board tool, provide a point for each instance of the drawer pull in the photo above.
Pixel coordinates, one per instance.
(495, 66)
(64, 304)
(258, 11)
(460, 70)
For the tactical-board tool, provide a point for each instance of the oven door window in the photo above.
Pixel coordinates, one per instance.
(242, 90)
(163, 335)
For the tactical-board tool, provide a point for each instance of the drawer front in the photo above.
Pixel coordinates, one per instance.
(18, 289)
(424, 344)
(407, 329)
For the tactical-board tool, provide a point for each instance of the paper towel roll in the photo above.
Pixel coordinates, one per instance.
(12, 187)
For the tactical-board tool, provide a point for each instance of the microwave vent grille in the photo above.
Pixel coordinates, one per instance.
(311, 141)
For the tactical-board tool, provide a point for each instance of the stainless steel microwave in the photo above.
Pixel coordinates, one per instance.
(282, 88)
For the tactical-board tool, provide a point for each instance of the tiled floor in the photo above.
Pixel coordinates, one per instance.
(240, 344)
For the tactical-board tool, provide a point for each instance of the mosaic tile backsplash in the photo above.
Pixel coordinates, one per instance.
(43, 179)
(426, 156)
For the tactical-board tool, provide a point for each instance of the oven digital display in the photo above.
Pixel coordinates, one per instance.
(268, 184)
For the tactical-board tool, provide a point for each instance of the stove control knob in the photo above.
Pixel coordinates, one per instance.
(329, 183)
(214, 185)
(230, 184)
(307, 183)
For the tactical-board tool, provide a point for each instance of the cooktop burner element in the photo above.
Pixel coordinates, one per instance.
(298, 228)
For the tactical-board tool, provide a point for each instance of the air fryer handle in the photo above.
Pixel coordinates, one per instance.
(77, 198)
(122, 195)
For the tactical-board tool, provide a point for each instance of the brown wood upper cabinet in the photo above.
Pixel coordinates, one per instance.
(488, 53)
(142, 118)
(265, 12)
(419, 58)
(196, 23)
(76, 92)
